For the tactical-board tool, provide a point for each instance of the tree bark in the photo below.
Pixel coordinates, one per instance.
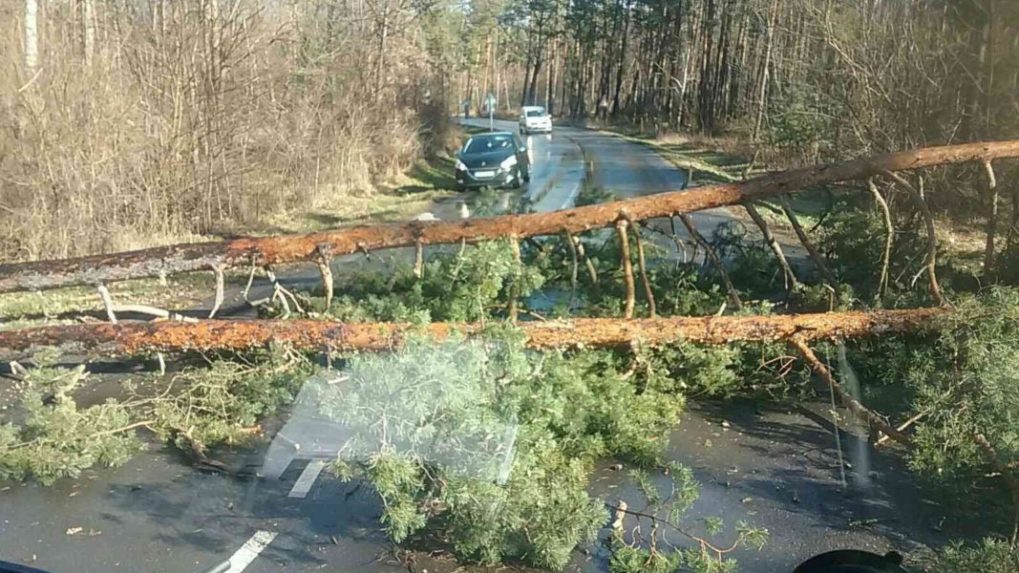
(129, 338)
(292, 248)
(792, 283)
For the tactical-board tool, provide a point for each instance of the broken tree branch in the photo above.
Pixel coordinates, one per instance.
(642, 268)
(932, 240)
(889, 234)
(518, 271)
(791, 282)
(314, 335)
(293, 248)
(627, 266)
(715, 260)
(325, 269)
(575, 269)
(220, 287)
(859, 410)
(104, 295)
(815, 255)
(159, 313)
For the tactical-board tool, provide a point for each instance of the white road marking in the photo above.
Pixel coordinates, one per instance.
(572, 197)
(250, 550)
(307, 479)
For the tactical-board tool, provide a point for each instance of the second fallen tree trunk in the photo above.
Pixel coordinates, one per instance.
(238, 335)
(292, 248)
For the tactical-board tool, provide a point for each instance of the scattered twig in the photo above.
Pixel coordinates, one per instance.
(680, 243)
(705, 544)
(901, 427)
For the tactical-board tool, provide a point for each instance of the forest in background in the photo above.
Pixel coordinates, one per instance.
(827, 77)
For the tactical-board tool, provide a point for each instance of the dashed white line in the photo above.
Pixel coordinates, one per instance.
(307, 479)
(243, 557)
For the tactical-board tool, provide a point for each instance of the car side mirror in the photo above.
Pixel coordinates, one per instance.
(522, 149)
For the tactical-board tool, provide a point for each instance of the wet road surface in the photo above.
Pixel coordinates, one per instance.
(773, 468)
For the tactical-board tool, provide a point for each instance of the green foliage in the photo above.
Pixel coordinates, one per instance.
(418, 409)
(705, 557)
(967, 387)
(56, 439)
(989, 556)
(455, 287)
(628, 559)
(590, 195)
(686, 368)
(220, 403)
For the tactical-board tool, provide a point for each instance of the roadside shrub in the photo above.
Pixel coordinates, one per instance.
(988, 556)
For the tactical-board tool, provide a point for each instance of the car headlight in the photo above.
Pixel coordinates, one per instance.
(459, 166)
(509, 162)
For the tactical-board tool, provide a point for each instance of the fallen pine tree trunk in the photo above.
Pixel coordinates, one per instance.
(318, 246)
(236, 335)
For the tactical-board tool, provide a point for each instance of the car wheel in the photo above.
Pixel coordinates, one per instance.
(527, 175)
(518, 181)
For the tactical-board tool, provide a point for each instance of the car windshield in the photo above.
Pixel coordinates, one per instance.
(488, 143)
(479, 286)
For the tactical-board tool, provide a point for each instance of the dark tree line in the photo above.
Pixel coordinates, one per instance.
(827, 74)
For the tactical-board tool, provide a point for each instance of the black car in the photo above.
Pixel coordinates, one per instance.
(496, 159)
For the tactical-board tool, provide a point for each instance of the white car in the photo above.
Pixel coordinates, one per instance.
(534, 119)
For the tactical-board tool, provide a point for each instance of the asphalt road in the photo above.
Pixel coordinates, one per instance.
(776, 469)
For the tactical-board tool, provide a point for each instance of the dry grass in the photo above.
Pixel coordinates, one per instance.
(182, 125)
